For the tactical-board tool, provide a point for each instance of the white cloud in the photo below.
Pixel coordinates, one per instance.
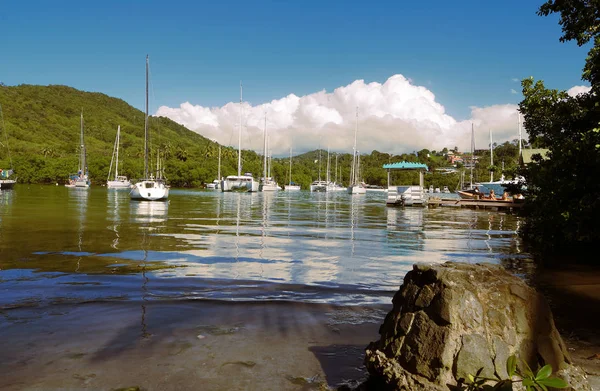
(515, 79)
(576, 90)
(395, 117)
(513, 91)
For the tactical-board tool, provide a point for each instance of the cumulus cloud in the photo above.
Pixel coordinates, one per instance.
(576, 90)
(396, 116)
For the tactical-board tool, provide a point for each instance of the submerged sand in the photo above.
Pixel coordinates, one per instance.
(196, 345)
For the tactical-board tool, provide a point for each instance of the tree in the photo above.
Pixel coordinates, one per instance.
(563, 191)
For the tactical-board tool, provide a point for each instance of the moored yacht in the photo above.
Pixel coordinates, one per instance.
(239, 182)
(318, 186)
(149, 188)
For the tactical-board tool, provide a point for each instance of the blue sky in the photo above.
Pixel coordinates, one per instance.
(465, 52)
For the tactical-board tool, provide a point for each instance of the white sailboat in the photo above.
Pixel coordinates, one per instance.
(81, 179)
(119, 181)
(356, 185)
(333, 185)
(216, 184)
(239, 182)
(291, 186)
(267, 182)
(319, 186)
(6, 182)
(149, 188)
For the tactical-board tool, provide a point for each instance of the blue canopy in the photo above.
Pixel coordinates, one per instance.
(406, 166)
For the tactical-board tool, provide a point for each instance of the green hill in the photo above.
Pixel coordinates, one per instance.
(42, 124)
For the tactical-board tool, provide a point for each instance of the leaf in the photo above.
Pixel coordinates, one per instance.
(544, 372)
(527, 370)
(528, 382)
(511, 365)
(554, 382)
(503, 385)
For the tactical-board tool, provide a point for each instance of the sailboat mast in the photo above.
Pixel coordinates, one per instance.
(319, 161)
(240, 137)
(353, 170)
(290, 166)
(491, 158)
(472, 151)
(270, 159)
(146, 126)
(219, 169)
(83, 157)
(265, 151)
(328, 179)
(336, 167)
(117, 155)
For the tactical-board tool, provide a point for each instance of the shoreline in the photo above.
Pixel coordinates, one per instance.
(186, 345)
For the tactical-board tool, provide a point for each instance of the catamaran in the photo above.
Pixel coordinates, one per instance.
(356, 186)
(239, 182)
(119, 181)
(6, 182)
(81, 179)
(149, 188)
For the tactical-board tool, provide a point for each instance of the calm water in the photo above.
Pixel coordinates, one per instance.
(60, 245)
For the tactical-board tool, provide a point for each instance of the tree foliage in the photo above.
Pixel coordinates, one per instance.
(564, 191)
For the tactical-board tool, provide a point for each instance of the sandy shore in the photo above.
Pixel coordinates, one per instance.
(209, 345)
(184, 346)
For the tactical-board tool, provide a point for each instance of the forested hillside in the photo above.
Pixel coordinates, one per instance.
(43, 122)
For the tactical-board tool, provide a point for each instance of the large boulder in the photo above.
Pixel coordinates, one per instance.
(450, 320)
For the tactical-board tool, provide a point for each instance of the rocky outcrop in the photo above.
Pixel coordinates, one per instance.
(450, 320)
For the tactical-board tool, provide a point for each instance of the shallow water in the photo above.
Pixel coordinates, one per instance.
(60, 245)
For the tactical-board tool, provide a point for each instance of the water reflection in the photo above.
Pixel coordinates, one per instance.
(78, 201)
(149, 211)
(330, 247)
(113, 204)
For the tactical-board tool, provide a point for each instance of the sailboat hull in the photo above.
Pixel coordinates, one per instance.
(292, 188)
(118, 184)
(357, 190)
(149, 191)
(7, 184)
(241, 184)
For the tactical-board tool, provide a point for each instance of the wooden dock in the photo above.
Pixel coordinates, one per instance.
(475, 204)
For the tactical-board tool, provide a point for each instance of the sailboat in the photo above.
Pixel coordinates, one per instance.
(149, 188)
(291, 186)
(239, 182)
(6, 182)
(216, 184)
(267, 182)
(81, 179)
(119, 181)
(472, 191)
(499, 186)
(333, 185)
(319, 186)
(356, 186)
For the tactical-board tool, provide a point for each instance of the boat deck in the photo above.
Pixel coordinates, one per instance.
(476, 204)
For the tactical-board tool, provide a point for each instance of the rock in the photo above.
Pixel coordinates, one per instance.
(450, 320)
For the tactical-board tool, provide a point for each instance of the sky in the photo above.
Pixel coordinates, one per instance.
(419, 74)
